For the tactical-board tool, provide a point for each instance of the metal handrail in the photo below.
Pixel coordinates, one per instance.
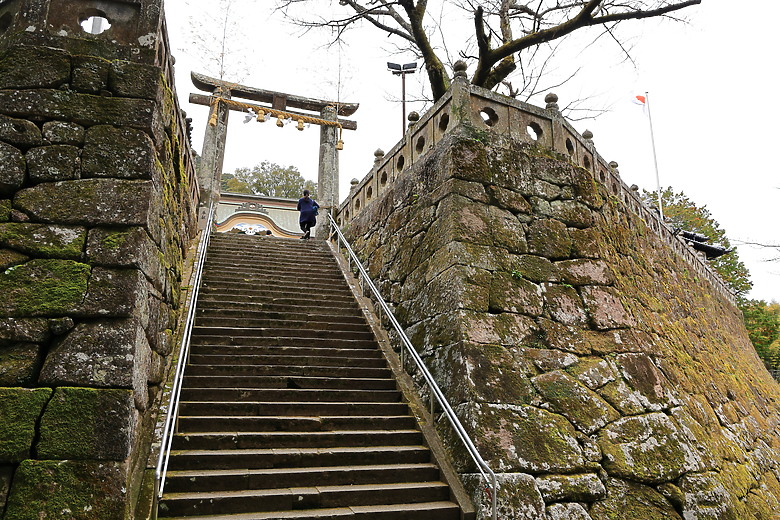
(184, 354)
(436, 392)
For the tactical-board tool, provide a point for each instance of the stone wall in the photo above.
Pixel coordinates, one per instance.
(97, 207)
(600, 376)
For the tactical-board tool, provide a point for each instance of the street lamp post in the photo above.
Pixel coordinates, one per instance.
(402, 70)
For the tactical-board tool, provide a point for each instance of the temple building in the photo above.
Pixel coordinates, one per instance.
(256, 215)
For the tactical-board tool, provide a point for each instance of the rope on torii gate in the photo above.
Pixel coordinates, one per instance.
(281, 115)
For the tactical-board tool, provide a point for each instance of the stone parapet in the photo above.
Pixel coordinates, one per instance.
(487, 111)
(98, 206)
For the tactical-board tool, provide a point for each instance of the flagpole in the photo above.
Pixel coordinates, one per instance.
(655, 158)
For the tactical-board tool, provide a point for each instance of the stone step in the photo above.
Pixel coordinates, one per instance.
(251, 345)
(292, 408)
(295, 356)
(288, 394)
(251, 323)
(273, 440)
(305, 281)
(299, 423)
(250, 333)
(229, 306)
(291, 382)
(287, 499)
(297, 457)
(223, 480)
(417, 511)
(284, 370)
(216, 266)
(287, 296)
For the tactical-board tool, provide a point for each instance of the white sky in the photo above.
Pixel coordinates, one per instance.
(711, 85)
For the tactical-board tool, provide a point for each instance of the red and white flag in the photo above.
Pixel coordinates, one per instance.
(640, 100)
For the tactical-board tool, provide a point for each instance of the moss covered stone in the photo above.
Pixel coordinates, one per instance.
(63, 132)
(605, 308)
(13, 167)
(5, 210)
(129, 79)
(90, 202)
(582, 487)
(647, 448)
(518, 498)
(121, 153)
(567, 511)
(42, 240)
(19, 363)
(35, 330)
(25, 66)
(20, 409)
(9, 258)
(581, 406)
(514, 294)
(90, 74)
(43, 288)
(564, 305)
(630, 500)
(87, 423)
(585, 272)
(19, 132)
(549, 238)
(534, 268)
(76, 490)
(508, 200)
(57, 162)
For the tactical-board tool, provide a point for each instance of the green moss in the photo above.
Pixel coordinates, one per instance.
(44, 240)
(20, 409)
(43, 287)
(115, 240)
(5, 210)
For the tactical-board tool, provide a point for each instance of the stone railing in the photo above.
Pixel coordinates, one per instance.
(546, 127)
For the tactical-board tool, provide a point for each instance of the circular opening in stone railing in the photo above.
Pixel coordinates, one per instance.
(95, 24)
(444, 122)
(569, 146)
(586, 162)
(369, 193)
(489, 116)
(383, 179)
(534, 131)
(357, 205)
(399, 165)
(420, 146)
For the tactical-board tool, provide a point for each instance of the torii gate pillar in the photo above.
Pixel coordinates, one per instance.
(328, 174)
(210, 171)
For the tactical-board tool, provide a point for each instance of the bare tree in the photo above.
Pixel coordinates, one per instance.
(507, 33)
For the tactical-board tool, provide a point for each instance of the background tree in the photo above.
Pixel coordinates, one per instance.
(506, 33)
(681, 212)
(268, 179)
(762, 321)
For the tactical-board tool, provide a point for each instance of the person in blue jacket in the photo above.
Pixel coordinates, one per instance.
(308, 208)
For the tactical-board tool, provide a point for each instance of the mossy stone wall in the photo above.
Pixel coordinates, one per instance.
(598, 376)
(95, 218)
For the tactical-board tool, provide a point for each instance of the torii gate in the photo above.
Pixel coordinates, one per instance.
(221, 102)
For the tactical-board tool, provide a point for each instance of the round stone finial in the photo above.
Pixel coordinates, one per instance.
(413, 117)
(552, 101)
(379, 152)
(460, 67)
(354, 182)
(587, 134)
(634, 187)
(614, 166)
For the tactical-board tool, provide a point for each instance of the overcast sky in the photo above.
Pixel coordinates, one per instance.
(712, 87)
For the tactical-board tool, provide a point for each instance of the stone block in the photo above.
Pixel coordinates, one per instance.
(19, 132)
(509, 293)
(91, 202)
(564, 305)
(122, 153)
(594, 372)
(35, 330)
(506, 231)
(6, 475)
(87, 424)
(585, 242)
(549, 238)
(108, 353)
(126, 247)
(565, 338)
(643, 376)
(116, 293)
(13, 167)
(20, 409)
(9, 258)
(43, 287)
(518, 497)
(535, 268)
(89, 74)
(134, 80)
(82, 109)
(508, 200)
(63, 132)
(57, 162)
(581, 406)
(571, 213)
(583, 487)
(648, 449)
(605, 309)
(525, 438)
(500, 329)
(25, 66)
(585, 272)
(547, 359)
(631, 500)
(19, 363)
(44, 240)
(73, 490)
(59, 326)
(567, 511)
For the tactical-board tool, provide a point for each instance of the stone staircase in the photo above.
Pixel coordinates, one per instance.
(289, 409)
